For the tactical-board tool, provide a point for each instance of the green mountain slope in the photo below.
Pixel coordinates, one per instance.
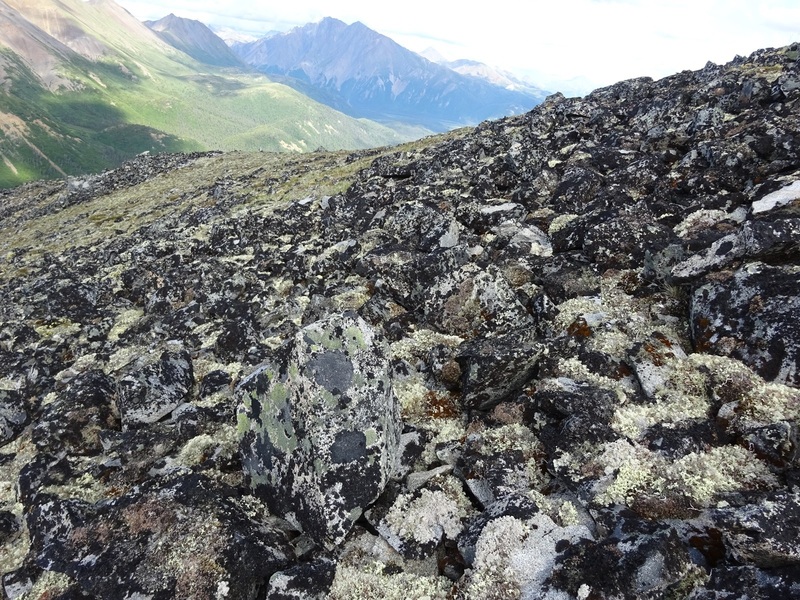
(85, 86)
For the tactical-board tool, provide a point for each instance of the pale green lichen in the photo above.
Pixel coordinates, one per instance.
(370, 583)
(123, 357)
(758, 401)
(698, 477)
(493, 576)
(699, 220)
(575, 369)
(703, 476)
(430, 515)
(560, 222)
(8, 384)
(444, 431)
(125, 320)
(22, 452)
(420, 405)
(223, 444)
(518, 437)
(683, 396)
(514, 557)
(561, 510)
(629, 468)
(208, 333)
(57, 330)
(49, 585)
(692, 383)
(86, 487)
(416, 346)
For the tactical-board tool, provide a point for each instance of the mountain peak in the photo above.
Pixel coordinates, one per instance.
(367, 74)
(195, 39)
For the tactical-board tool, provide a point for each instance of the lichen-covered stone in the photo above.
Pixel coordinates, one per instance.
(149, 391)
(766, 534)
(321, 426)
(752, 314)
(591, 311)
(494, 368)
(13, 415)
(181, 538)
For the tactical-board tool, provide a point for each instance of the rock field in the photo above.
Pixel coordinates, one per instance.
(556, 356)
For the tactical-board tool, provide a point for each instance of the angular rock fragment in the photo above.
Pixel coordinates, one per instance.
(149, 392)
(321, 426)
(788, 196)
(306, 581)
(494, 368)
(13, 415)
(766, 534)
(473, 301)
(753, 315)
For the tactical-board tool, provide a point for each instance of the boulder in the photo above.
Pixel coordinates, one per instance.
(321, 426)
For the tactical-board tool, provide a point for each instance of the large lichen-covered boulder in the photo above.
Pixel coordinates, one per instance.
(321, 426)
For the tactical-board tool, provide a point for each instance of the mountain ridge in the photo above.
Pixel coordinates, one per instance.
(195, 39)
(364, 73)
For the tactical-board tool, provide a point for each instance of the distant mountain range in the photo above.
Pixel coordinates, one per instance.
(85, 85)
(365, 74)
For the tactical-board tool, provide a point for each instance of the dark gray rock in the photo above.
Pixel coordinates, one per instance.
(307, 581)
(749, 582)
(752, 314)
(149, 392)
(510, 505)
(495, 368)
(766, 534)
(13, 415)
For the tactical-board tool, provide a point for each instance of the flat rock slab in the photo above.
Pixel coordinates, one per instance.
(322, 426)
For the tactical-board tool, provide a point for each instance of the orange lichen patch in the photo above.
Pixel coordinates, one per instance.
(662, 338)
(621, 372)
(579, 328)
(441, 405)
(657, 354)
(703, 334)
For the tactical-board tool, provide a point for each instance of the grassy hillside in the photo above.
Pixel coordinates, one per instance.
(128, 92)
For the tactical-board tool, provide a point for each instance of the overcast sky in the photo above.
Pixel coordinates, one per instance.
(595, 42)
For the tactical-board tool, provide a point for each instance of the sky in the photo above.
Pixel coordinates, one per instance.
(571, 46)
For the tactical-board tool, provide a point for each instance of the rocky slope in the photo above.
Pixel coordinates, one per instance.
(555, 356)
